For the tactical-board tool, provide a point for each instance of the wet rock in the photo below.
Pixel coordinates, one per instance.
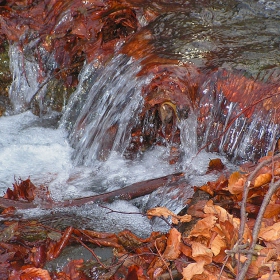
(5, 78)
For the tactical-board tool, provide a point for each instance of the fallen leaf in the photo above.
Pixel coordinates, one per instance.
(201, 252)
(270, 233)
(272, 210)
(203, 227)
(215, 164)
(236, 183)
(186, 250)
(35, 273)
(269, 276)
(172, 250)
(217, 244)
(192, 269)
(164, 212)
(218, 211)
(262, 180)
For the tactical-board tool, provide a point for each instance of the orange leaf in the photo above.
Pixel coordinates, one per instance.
(201, 252)
(236, 183)
(203, 227)
(192, 269)
(35, 273)
(218, 211)
(172, 250)
(272, 210)
(262, 180)
(270, 233)
(215, 164)
(217, 244)
(186, 250)
(164, 212)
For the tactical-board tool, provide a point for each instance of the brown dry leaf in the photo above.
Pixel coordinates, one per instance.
(261, 264)
(217, 244)
(236, 183)
(262, 179)
(186, 250)
(203, 227)
(268, 276)
(192, 269)
(270, 233)
(207, 188)
(218, 211)
(164, 212)
(212, 272)
(276, 168)
(240, 258)
(196, 210)
(215, 164)
(172, 250)
(272, 210)
(247, 236)
(35, 273)
(201, 252)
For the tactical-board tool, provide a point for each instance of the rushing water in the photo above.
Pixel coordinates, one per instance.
(83, 153)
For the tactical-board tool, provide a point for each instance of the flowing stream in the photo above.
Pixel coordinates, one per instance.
(76, 154)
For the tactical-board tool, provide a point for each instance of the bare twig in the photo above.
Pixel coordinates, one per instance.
(243, 214)
(161, 257)
(272, 188)
(91, 251)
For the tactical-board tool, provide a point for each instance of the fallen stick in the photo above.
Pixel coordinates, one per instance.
(127, 193)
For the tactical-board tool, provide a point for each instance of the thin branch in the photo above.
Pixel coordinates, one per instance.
(272, 188)
(161, 257)
(243, 214)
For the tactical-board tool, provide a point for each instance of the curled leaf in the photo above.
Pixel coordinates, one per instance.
(262, 180)
(236, 183)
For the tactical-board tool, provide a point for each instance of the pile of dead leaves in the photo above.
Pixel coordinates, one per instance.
(212, 240)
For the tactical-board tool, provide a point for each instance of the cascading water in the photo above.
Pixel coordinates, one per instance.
(108, 113)
(25, 79)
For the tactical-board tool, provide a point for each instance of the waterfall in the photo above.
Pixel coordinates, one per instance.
(228, 131)
(100, 118)
(25, 79)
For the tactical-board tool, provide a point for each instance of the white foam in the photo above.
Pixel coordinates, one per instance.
(28, 149)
